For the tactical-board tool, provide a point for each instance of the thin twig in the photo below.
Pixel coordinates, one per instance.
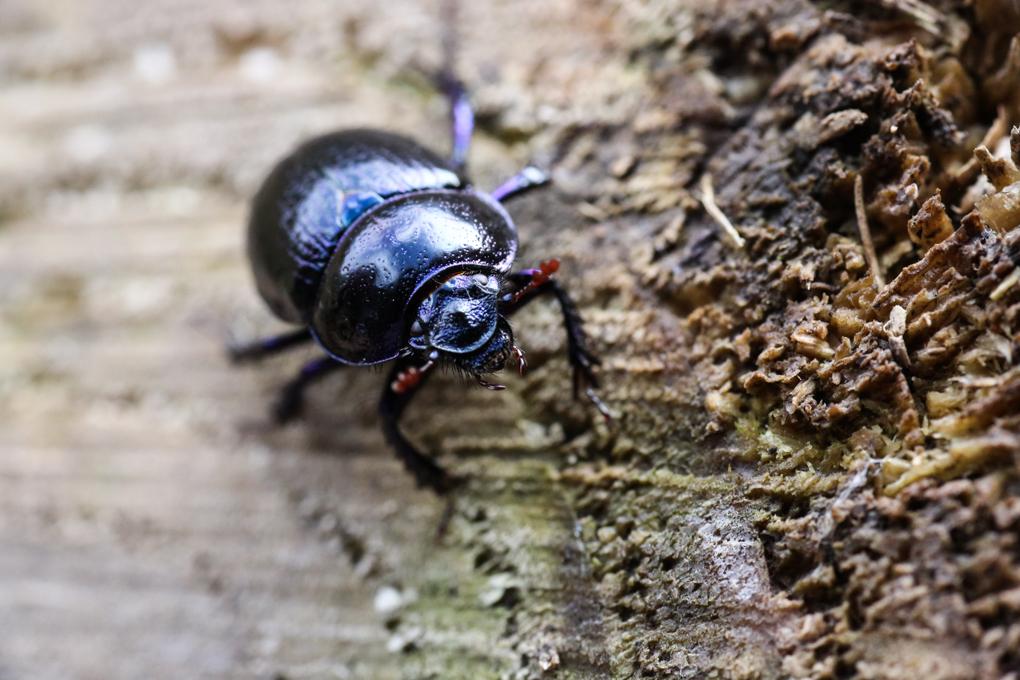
(862, 224)
(925, 16)
(1005, 285)
(968, 172)
(708, 200)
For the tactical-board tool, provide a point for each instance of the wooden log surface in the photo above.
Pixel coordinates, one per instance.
(809, 474)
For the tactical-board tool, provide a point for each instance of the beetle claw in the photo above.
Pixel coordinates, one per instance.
(488, 385)
(521, 363)
(606, 415)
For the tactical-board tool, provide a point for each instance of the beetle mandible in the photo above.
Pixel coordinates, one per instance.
(383, 250)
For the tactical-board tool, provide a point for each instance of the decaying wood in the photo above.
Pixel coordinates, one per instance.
(810, 472)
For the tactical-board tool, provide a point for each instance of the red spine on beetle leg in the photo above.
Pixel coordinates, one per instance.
(409, 379)
(538, 277)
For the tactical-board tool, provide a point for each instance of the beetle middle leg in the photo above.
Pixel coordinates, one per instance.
(265, 347)
(291, 400)
(405, 378)
(524, 181)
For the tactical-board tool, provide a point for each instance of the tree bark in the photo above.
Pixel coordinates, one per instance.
(809, 471)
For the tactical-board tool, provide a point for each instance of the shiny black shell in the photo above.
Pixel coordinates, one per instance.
(294, 226)
(354, 284)
(397, 253)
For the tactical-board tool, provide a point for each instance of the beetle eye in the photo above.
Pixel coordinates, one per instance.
(482, 279)
(416, 328)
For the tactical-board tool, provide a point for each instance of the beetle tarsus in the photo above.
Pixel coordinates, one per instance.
(449, 510)
(606, 415)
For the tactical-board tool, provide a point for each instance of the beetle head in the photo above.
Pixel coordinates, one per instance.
(459, 317)
(491, 356)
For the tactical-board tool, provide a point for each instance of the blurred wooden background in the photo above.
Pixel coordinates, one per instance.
(151, 524)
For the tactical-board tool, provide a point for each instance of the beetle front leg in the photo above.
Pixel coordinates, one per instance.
(260, 349)
(404, 380)
(291, 400)
(532, 283)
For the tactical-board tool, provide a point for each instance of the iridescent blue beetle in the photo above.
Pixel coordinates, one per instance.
(383, 250)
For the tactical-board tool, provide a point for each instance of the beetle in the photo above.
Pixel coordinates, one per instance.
(382, 250)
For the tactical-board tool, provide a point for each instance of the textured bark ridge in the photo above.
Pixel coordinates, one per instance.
(769, 500)
(792, 228)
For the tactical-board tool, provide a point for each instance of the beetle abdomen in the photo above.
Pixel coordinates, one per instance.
(389, 257)
(312, 197)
